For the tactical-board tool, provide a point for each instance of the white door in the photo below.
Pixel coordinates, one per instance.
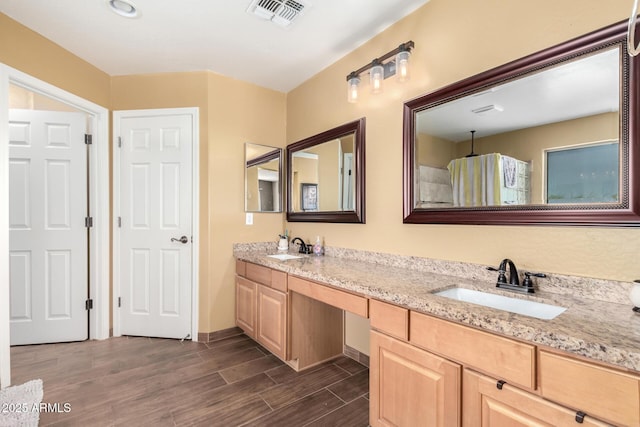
(348, 184)
(155, 223)
(48, 238)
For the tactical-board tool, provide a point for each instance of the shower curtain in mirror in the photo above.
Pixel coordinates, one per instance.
(476, 180)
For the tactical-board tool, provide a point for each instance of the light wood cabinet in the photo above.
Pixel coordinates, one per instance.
(488, 404)
(356, 304)
(272, 320)
(604, 393)
(390, 319)
(503, 358)
(261, 311)
(411, 387)
(246, 303)
(300, 330)
(429, 371)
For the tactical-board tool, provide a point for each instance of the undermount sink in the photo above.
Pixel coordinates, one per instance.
(514, 305)
(284, 257)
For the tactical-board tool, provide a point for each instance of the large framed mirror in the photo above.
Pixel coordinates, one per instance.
(262, 178)
(326, 176)
(551, 138)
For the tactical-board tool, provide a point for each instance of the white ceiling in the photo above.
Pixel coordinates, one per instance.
(581, 88)
(215, 35)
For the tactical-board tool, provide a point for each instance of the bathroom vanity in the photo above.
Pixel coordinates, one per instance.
(441, 362)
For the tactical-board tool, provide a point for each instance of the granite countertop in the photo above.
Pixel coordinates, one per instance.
(605, 331)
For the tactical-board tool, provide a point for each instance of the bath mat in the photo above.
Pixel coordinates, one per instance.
(19, 404)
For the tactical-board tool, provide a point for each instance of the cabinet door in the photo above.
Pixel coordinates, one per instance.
(246, 314)
(486, 405)
(272, 320)
(411, 387)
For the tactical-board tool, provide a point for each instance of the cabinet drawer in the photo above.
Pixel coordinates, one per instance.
(279, 280)
(600, 392)
(241, 268)
(503, 358)
(390, 319)
(511, 406)
(259, 274)
(340, 299)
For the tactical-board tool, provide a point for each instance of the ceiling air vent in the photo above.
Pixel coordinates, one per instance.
(281, 12)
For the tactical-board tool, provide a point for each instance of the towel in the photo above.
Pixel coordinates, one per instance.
(509, 171)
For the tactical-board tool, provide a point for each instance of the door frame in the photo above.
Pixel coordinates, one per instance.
(194, 112)
(98, 204)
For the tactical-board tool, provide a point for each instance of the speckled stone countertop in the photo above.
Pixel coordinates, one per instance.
(598, 323)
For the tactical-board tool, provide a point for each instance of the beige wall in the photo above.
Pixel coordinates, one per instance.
(449, 48)
(29, 52)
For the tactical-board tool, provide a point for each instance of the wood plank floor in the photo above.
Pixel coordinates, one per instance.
(136, 381)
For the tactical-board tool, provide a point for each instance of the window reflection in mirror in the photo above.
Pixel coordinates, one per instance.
(323, 176)
(263, 178)
(526, 141)
(583, 174)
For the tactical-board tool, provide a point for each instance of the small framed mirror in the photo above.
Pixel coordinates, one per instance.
(325, 176)
(262, 178)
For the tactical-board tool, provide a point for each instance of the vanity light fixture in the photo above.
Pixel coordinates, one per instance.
(395, 62)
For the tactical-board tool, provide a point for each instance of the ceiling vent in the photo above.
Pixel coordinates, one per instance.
(281, 12)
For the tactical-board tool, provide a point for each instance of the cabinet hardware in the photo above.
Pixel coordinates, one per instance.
(500, 384)
(580, 417)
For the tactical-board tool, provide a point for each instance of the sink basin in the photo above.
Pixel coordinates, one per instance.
(513, 305)
(284, 257)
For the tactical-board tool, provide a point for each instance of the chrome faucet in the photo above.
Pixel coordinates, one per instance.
(304, 247)
(514, 279)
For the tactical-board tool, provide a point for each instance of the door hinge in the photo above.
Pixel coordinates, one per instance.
(119, 142)
(119, 302)
(88, 139)
(119, 222)
(88, 222)
(88, 304)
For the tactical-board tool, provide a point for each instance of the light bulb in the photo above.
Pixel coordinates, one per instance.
(352, 89)
(402, 65)
(377, 75)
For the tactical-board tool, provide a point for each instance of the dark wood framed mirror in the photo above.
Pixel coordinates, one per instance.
(326, 176)
(551, 138)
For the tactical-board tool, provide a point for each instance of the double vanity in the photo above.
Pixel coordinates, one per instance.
(446, 346)
(441, 361)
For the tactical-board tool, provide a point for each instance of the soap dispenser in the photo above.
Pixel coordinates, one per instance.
(318, 249)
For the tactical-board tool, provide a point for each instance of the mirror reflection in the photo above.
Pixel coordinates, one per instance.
(548, 138)
(263, 178)
(323, 176)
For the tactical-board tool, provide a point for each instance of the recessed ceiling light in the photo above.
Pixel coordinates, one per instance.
(123, 8)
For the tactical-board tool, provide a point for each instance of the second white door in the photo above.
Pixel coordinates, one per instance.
(155, 223)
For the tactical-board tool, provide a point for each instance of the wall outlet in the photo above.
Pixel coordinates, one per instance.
(249, 218)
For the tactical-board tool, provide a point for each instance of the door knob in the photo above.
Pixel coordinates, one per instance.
(183, 239)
